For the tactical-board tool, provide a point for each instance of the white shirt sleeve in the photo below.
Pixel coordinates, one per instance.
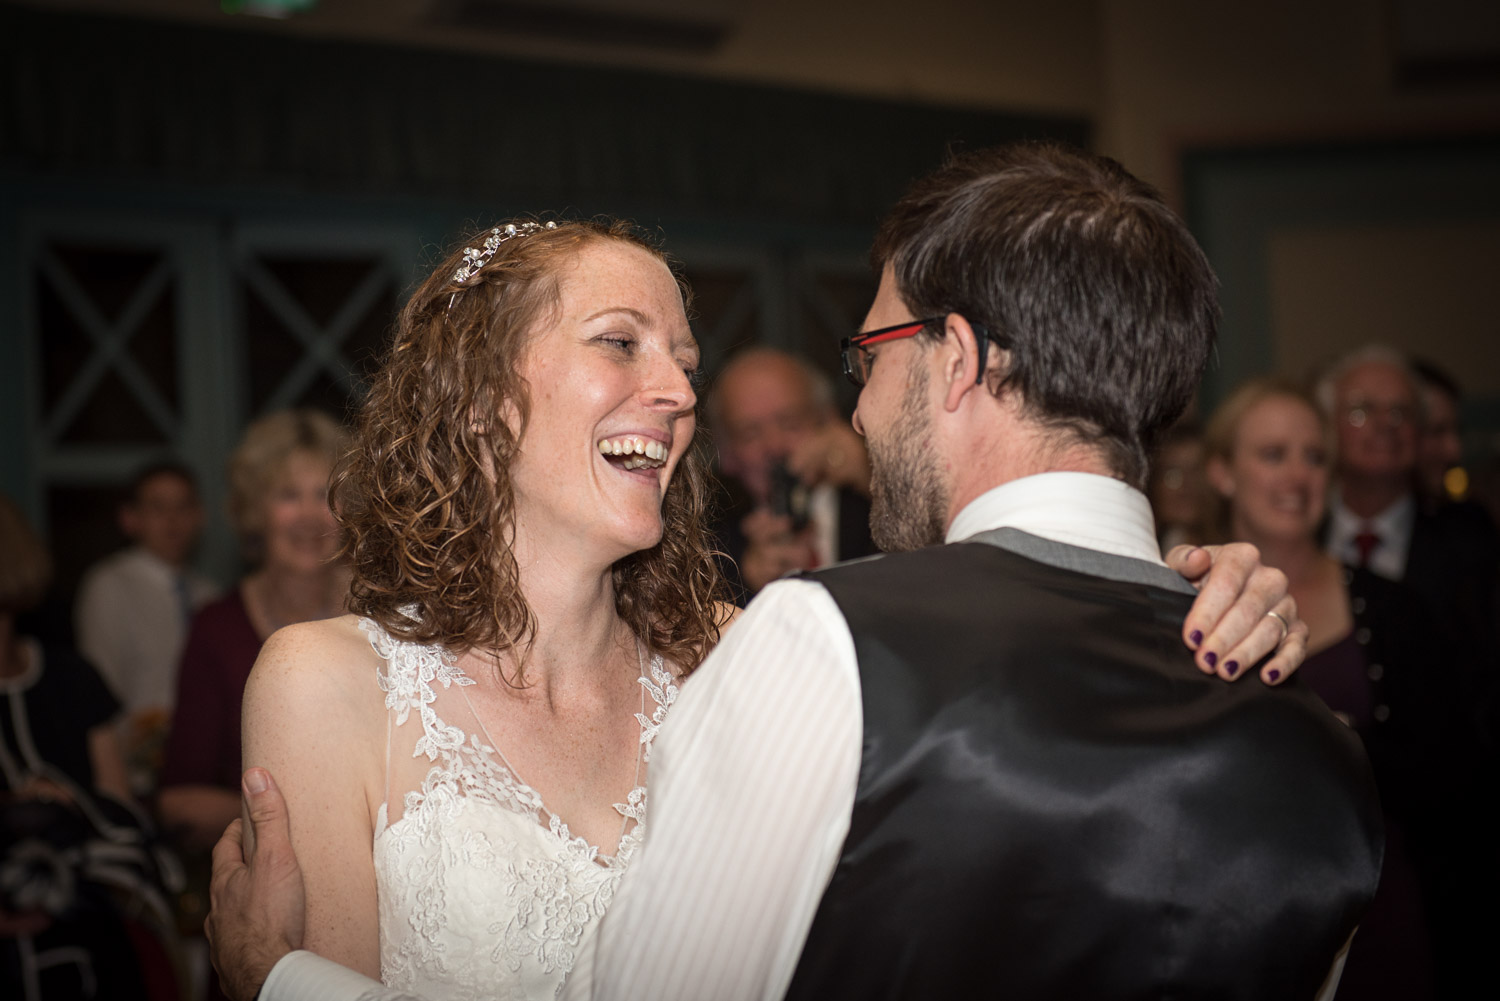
(751, 786)
(303, 976)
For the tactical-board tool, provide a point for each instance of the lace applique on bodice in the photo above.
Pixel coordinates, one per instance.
(483, 892)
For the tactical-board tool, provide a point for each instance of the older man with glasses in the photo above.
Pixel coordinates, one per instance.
(1371, 396)
(1448, 557)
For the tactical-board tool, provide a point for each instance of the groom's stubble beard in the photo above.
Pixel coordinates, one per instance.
(908, 503)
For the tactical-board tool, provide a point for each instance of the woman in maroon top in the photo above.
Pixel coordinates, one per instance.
(1269, 451)
(279, 505)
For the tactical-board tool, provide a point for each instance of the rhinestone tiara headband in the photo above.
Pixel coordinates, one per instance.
(476, 258)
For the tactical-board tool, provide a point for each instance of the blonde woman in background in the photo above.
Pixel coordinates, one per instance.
(1269, 451)
(278, 479)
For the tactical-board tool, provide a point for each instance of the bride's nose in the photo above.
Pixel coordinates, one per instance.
(670, 388)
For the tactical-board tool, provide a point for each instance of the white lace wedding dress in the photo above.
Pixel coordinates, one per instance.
(483, 892)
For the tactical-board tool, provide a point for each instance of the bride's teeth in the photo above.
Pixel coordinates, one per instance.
(639, 452)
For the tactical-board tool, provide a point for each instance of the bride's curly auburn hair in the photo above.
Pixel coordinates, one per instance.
(428, 531)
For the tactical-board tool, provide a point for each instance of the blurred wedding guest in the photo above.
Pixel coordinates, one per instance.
(1452, 561)
(1440, 448)
(278, 482)
(1371, 396)
(1177, 489)
(1375, 519)
(68, 845)
(134, 607)
(798, 474)
(1370, 658)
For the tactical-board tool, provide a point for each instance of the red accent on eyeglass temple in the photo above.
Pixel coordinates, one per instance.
(890, 335)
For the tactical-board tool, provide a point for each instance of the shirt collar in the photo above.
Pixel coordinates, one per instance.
(1393, 527)
(1395, 522)
(1076, 509)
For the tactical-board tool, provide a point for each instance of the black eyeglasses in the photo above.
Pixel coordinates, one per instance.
(856, 350)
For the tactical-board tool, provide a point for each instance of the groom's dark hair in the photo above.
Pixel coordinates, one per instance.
(1103, 299)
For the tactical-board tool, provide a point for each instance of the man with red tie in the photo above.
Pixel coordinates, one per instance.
(1446, 557)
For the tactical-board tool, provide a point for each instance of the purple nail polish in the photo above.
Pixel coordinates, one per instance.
(1211, 659)
(1273, 675)
(1231, 667)
(1195, 637)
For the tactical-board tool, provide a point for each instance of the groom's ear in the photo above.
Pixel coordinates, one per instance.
(961, 350)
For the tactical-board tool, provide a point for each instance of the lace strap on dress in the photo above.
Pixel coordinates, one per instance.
(407, 675)
(663, 690)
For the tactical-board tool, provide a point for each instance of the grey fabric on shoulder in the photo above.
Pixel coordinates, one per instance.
(1086, 561)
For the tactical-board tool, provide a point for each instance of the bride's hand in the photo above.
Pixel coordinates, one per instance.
(1243, 612)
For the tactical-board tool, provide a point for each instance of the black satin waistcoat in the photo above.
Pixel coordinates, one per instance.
(1055, 803)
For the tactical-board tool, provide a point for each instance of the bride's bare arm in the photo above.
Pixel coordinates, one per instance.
(314, 717)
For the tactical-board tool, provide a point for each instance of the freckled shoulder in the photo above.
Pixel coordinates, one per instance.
(314, 717)
(328, 663)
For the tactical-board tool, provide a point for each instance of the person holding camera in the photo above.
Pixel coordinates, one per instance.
(800, 490)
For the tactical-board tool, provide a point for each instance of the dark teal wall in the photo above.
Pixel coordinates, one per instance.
(1237, 199)
(188, 125)
(148, 100)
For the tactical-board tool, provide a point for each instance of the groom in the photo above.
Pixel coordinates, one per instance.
(984, 766)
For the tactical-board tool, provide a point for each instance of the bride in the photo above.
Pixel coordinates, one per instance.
(523, 512)
(523, 515)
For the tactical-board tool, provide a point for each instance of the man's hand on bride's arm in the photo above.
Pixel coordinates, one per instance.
(258, 902)
(1243, 612)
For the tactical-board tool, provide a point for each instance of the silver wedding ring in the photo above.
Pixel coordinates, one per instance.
(1285, 628)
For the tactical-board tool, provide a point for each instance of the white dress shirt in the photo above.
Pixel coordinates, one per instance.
(1393, 526)
(131, 624)
(753, 781)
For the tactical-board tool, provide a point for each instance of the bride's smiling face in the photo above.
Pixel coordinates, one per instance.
(611, 407)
